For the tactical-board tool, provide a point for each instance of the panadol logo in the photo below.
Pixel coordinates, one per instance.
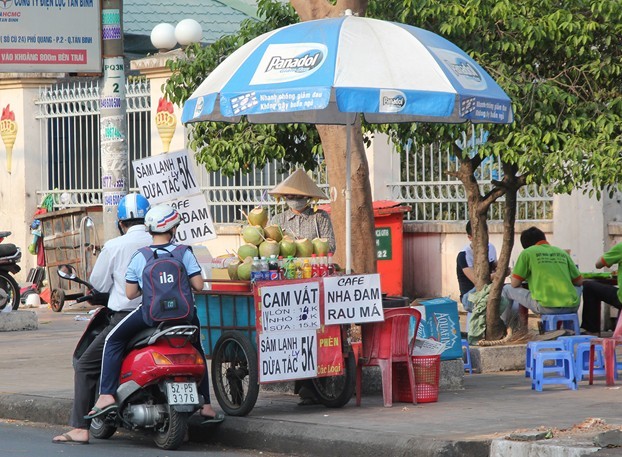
(289, 62)
(392, 101)
(464, 68)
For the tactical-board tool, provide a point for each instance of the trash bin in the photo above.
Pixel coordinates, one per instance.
(389, 224)
(427, 370)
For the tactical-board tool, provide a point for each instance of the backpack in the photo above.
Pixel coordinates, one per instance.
(167, 294)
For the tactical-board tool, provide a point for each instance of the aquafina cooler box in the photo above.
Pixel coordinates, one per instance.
(440, 321)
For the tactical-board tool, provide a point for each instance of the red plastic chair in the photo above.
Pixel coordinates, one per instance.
(386, 343)
(609, 354)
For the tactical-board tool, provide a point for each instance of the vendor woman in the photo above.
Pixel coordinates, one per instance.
(300, 219)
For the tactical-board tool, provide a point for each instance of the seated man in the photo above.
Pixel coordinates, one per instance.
(595, 292)
(465, 271)
(553, 278)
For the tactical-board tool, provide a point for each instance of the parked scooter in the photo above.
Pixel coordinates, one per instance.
(159, 377)
(10, 255)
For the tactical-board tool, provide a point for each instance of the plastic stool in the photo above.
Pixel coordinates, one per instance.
(567, 321)
(467, 362)
(571, 342)
(534, 347)
(582, 360)
(565, 377)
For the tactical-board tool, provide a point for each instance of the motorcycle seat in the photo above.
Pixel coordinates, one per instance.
(7, 250)
(143, 338)
(4, 234)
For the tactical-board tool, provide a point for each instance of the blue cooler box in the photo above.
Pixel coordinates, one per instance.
(440, 322)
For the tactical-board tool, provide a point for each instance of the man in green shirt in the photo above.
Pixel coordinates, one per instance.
(553, 278)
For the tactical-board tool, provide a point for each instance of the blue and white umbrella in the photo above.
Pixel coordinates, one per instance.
(329, 70)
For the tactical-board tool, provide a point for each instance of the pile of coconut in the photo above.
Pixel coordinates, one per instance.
(262, 240)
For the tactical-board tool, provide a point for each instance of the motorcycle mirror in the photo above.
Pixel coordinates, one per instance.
(67, 272)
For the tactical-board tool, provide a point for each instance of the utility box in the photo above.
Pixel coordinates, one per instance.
(440, 322)
(389, 225)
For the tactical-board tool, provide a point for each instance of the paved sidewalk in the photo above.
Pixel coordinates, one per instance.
(36, 385)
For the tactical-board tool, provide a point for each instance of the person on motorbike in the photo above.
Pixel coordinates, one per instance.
(108, 275)
(162, 222)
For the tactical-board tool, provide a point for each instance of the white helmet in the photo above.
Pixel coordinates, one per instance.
(162, 218)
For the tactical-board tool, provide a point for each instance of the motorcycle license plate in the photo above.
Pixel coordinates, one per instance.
(182, 393)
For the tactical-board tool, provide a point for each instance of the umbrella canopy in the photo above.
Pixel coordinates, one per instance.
(329, 70)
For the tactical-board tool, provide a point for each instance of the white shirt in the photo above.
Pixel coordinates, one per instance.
(108, 274)
(468, 249)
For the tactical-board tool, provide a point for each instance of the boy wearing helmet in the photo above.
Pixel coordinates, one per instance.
(161, 222)
(108, 276)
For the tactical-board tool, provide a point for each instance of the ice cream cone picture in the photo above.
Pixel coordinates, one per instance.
(166, 122)
(8, 131)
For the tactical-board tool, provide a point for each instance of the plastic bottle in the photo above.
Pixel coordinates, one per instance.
(273, 268)
(298, 269)
(306, 269)
(315, 268)
(256, 271)
(331, 265)
(281, 268)
(290, 268)
(265, 271)
(323, 267)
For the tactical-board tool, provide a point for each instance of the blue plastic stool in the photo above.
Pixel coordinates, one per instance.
(567, 321)
(533, 347)
(571, 342)
(566, 376)
(467, 361)
(582, 361)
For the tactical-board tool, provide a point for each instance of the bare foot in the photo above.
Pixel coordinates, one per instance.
(77, 435)
(207, 411)
(104, 401)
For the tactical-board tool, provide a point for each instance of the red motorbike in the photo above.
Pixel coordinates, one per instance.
(10, 255)
(159, 377)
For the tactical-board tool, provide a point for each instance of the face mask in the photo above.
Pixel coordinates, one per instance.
(297, 204)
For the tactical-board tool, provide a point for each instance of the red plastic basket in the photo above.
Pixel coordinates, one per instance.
(427, 377)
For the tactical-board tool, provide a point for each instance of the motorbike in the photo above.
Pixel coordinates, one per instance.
(10, 255)
(159, 376)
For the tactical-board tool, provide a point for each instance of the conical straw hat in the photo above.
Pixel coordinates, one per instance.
(298, 183)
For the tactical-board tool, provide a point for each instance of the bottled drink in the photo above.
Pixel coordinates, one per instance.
(273, 268)
(306, 269)
(256, 274)
(281, 268)
(331, 265)
(323, 267)
(265, 272)
(290, 268)
(315, 268)
(298, 270)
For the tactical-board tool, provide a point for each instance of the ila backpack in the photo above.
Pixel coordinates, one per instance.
(167, 294)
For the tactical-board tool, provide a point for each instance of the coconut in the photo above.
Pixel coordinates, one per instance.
(244, 269)
(304, 247)
(274, 232)
(253, 234)
(247, 250)
(232, 269)
(320, 246)
(258, 216)
(288, 247)
(268, 248)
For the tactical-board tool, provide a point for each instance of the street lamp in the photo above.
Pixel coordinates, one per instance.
(163, 37)
(188, 31)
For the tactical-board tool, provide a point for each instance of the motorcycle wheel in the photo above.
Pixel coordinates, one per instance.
(336, 391)
(57, 300)
(9, 285)
(172, 434)
(102, 430)
(235, 374)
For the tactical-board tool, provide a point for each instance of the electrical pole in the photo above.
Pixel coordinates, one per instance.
(112, 117)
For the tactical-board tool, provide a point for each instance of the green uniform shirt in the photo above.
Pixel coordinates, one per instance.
(611, 257)
(549, 271)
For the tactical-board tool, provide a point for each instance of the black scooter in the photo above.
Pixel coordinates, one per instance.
(10, 255)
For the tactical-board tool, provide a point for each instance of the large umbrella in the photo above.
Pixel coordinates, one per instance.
(328, 71)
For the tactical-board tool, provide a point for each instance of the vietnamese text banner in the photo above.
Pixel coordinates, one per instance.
(288, 355)
(291, 306)
(352, 299)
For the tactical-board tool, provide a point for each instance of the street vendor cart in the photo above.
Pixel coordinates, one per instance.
(283, 331)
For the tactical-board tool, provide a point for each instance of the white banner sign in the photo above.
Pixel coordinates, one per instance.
(166, 176)
(290, 307)
(50, 36)
(284, 356)
(352, 299)
(196, 220)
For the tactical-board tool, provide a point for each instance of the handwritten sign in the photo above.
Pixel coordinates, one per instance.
(352, 299)
(292, 306)
(196, 220)
(288, 355)
(166, 176)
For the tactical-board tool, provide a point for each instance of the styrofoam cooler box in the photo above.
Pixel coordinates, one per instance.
(440, 321)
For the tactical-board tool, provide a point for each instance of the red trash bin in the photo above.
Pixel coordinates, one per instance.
(389, 224)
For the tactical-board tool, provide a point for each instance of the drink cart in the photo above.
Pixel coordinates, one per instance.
(70, 237)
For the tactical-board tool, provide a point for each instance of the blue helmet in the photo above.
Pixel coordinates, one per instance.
(132, 206)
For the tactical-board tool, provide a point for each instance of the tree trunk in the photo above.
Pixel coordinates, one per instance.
(334, 145)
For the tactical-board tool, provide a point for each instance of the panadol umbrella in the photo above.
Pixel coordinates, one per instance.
(329, 70)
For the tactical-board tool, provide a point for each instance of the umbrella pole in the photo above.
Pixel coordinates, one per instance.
(348, 202)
